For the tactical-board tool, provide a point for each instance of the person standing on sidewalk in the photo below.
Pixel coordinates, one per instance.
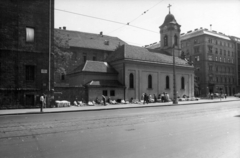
(104, 100)
(42, 100)
(212, 96)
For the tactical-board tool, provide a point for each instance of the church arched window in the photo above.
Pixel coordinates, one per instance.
(165, 40)
(175, 40)
(182, 83)
(149, 81)
(131, 81)
(167, 82)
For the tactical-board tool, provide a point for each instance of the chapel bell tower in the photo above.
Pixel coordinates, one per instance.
(170, 34)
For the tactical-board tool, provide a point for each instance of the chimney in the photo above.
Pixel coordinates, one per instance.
(106, 42)
(64, 27)
(101, 33)
(60, 28)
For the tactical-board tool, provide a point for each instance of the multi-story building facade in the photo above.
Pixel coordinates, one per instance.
(26, 29)
(236, 41)
(214, 57)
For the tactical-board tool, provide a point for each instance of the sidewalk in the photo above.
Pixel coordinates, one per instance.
(108, 107)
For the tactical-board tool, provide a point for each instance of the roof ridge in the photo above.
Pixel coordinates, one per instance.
(86, 33)
(84, 65)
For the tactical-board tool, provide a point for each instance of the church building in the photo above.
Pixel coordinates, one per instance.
(129, 71)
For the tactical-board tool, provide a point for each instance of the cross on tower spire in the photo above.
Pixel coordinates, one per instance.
(169, 8)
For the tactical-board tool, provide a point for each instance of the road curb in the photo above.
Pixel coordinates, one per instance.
(116, 108)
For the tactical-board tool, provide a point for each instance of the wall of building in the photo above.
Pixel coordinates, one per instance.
(93, 93)
(212, 73)
(70, 94)
(16, 52)
(81, 79)
(158, 73)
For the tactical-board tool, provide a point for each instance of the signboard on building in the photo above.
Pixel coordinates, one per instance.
(44, 71)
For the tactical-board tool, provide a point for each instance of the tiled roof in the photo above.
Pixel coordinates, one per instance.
(104, 83)
(89, 40)
(143, 54)
(95, 66)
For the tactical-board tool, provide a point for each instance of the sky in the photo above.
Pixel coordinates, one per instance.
(145, 17)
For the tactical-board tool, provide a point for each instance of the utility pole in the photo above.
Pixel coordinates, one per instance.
(175, 101)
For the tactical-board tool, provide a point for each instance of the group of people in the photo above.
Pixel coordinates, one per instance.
(163, 97)
(211, 95)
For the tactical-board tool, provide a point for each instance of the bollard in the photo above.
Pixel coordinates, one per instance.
(41, 107)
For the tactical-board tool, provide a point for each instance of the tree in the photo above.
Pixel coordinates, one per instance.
(61, 53)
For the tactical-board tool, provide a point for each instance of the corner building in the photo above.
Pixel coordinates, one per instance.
(214, 57)
(24, 51)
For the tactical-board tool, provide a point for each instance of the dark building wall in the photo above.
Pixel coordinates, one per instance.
(16, 53)
(78, 59)
(71, 94)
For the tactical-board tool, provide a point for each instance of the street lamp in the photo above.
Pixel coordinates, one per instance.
(175, 101)
(174, 41)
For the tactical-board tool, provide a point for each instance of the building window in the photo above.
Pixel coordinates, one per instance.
(229, 53)
(131, 81)
(195, 41)
(105, 92)
(176, 40)
(220, 59)
(167, 82)
(216, 58)
(165, 40)
(30, 72)
(94, 58)
(224, 53)
(209, 40)
(220, 51)
(30, 34)
(62, 76)
(210, 49)
(84, 57)
(182, 83)
(150, 81)
(216, 50)
(197, 58)
(210, 57)
(210, 68)
(112, 93)
(196, 49)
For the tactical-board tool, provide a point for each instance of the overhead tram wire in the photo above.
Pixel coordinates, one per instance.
(136, 17)
(103, 19)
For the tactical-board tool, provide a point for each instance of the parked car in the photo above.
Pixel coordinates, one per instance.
(237, 95)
